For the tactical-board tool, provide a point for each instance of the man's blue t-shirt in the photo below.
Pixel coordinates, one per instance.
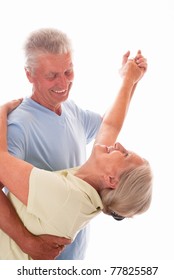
(52, 142)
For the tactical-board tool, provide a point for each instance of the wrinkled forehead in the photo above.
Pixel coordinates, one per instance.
(54, 62)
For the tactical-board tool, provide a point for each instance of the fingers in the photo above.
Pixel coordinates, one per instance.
(17, 101)
(11, 105)
(138, 52)
(125, 57)
(62, 241)
(60, 244)
(14, 103)
(59, 248)
(140, 60)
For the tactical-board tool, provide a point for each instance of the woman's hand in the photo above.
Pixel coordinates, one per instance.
(139, 60)
(131, 72)
(11, 105)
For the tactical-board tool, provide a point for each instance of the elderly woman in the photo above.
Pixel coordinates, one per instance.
(113, 179)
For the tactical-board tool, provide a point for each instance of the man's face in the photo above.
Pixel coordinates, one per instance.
(52, 79)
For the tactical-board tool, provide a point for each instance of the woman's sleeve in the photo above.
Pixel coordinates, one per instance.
(48, 191)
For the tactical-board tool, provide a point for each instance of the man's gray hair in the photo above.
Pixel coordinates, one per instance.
(44, 41)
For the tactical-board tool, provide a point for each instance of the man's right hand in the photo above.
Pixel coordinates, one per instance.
(41, 247)
(45, 247)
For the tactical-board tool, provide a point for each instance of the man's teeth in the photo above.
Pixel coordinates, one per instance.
(59, 91)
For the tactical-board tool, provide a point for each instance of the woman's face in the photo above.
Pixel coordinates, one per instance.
(116, 158)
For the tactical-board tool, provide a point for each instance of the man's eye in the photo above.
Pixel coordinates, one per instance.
(51, 76)
(68, 72)
(126, 154)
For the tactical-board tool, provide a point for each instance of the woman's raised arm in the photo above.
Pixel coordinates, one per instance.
(114, 118)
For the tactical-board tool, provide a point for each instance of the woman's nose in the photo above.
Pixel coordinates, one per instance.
(119, 147)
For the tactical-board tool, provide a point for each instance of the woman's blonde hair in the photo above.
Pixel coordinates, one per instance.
(133, 193)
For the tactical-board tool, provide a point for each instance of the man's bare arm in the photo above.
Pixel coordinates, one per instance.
(41, 247)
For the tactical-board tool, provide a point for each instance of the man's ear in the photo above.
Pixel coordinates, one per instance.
(111, 181)
(28, 74)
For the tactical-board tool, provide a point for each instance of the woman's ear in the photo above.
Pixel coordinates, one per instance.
(111, 181)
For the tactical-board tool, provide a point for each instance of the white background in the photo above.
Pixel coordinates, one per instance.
(101, 31)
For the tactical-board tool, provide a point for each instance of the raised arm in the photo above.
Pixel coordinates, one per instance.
(140, 61)
(113, 120)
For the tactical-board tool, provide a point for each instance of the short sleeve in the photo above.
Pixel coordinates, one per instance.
(16, 140)
(90, 121)
(48, 192)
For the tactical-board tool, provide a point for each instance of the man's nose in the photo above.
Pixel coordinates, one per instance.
(62, 82)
